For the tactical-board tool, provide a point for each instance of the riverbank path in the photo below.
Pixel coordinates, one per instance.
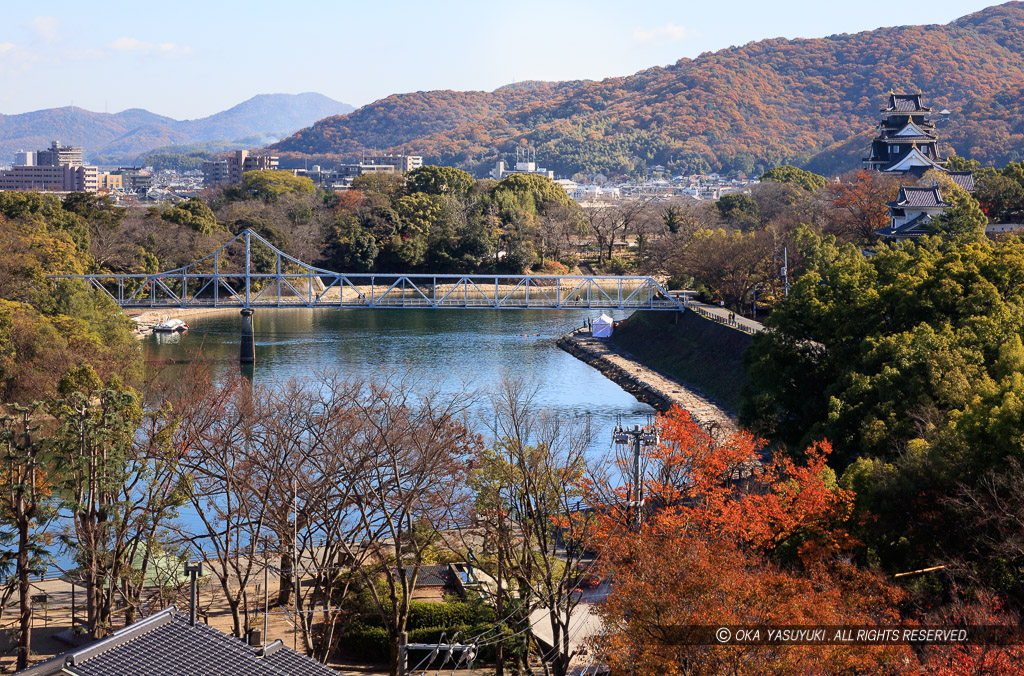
(718, 313)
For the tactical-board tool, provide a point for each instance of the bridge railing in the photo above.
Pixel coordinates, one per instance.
(217, 281)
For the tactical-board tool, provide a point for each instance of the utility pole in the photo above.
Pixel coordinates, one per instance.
(785, 268)
(194, 571)
(637, 437)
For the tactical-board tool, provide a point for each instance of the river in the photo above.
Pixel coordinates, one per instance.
(449, 348)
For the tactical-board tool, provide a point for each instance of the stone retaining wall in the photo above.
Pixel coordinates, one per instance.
(648, 385)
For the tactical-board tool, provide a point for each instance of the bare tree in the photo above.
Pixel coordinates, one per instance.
(528, 491)
(230, 493)
(609, 222)
(414, 481)
(731, 264)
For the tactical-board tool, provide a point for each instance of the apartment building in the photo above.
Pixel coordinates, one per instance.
(57, 155)
(401, 163)
(230, 170)
(63, 178)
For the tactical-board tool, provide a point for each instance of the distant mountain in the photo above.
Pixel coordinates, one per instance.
(121, 137)
(743, 108)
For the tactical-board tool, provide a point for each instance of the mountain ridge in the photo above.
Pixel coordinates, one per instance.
(743, 108)
(124, 135)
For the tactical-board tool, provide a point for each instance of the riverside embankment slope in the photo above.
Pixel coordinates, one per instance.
(667, 359)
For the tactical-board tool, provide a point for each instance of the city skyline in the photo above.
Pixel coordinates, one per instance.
(191, 60)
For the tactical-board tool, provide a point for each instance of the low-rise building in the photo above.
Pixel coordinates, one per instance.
(63, 178)
(402, 163)
(137, 180)
(500, 170)
(341, 177)
(109, 182)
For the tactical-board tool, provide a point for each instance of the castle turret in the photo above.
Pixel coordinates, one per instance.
(905, 141)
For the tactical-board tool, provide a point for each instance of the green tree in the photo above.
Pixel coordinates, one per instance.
(271, 185)
(193, 213)
(1001, 198)
(96, 426)
(98, 211)
(958, 163)
(440, 181)
(528, 193)
(963, 218)
(382, 187)
(26, 505)
(349, 246)
(738, 209)
(787, 173)
(48, 215)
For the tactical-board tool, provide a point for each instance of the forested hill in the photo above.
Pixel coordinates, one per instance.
(402, 118)
(743, 108)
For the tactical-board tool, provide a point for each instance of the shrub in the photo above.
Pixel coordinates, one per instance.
(551, 267)
(425, 614)
(617, 266)
(366, 643)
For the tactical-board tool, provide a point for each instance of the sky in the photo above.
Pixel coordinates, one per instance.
(187, 59)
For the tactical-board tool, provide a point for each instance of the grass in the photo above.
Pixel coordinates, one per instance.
(700, 353)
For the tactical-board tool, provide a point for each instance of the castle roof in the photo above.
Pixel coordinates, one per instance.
(919, 197)
(905, 103)
(915, 227)
(964, 179)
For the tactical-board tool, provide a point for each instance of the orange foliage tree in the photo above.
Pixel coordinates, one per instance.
(858, 203)
(729, 538)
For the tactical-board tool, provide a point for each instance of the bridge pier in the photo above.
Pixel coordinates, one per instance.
(247, 353)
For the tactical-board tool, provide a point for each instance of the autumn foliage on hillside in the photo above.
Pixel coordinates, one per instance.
(744, 108)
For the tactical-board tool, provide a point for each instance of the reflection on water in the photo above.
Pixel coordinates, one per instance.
(445, 348)
(167, 338)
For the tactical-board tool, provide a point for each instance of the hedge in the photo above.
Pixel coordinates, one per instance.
(426, 614)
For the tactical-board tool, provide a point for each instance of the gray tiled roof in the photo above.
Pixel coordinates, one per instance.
(434, 576)
(164, 643)
(915, 227)
(916, 138)
(919, 197)
(906, 103)
(964, 179)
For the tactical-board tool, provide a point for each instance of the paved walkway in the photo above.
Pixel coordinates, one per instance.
(718, 313)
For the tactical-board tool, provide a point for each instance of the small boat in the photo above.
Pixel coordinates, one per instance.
(169, 325)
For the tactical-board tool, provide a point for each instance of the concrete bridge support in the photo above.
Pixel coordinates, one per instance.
(247, 353)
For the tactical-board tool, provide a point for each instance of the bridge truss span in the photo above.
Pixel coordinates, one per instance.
(248, 272)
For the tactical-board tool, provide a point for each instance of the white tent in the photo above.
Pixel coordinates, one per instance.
(602, 327)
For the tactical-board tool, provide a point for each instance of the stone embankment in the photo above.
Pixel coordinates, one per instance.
(646, 384)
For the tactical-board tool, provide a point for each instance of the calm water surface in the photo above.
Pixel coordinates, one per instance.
(449, 347)
(445, 348)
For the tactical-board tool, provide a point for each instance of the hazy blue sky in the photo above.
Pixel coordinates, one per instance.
(190, 59)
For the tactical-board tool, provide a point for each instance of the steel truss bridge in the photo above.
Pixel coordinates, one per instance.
(269, 278)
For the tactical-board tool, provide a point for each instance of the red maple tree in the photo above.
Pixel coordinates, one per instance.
(732, 538)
